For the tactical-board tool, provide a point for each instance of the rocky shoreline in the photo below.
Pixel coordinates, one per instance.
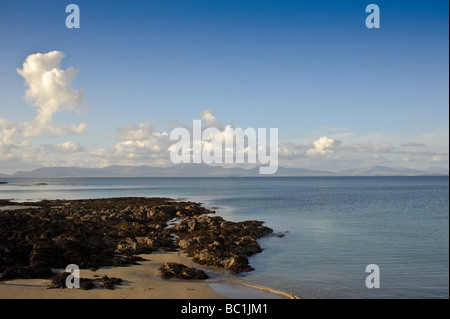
(96, 233)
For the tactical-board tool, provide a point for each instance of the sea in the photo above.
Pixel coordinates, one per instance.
(333, 227)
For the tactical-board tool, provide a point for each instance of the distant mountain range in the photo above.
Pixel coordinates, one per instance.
(393, 171)
(202, 170)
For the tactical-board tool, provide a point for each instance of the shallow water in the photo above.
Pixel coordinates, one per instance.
(334, 226)
(238, 291)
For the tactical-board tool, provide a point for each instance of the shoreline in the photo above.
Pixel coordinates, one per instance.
(280, 294)
(143, 281)
(109, 235)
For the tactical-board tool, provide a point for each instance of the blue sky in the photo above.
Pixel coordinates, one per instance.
(310, 68)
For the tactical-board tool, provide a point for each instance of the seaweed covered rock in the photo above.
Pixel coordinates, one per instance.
(26, 272)
(216, 242)
(90, 233)
(59, 281)
(180, 271)
(94, 233)
(109, 282)
(105, 282)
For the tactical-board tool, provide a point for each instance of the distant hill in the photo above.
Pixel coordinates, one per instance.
(202, 170)
(386, 171)
(183, 170)
(284, 171)
(438, 170)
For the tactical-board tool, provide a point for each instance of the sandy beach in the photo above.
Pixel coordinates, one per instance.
(141, 281)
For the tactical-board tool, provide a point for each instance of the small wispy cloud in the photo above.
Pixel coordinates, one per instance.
(413, 145)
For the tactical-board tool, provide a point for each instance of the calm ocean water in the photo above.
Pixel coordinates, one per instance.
(335, 226)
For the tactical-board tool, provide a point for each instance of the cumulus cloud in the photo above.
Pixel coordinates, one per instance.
(209, 119)
(26, 155)
(138, 145)
(292, 150)
(141, 144)
(69, 147)
(49, 87)
(49, 90)
(323, 146)
(135, 133)
(7, 133)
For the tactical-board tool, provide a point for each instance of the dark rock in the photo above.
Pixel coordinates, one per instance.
(106, 282)
(180, 271)
(122, 261)
(87, 284)
(59, 281)
(26, 273)
(110, 282)
(92, 233)
(215, 242)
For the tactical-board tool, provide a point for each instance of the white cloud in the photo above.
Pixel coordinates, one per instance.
(323, 146)
(440, 158)
(135, 133)
(209, 119)
(69, 147)
(141, 144)
(292, 150)
(49, 90)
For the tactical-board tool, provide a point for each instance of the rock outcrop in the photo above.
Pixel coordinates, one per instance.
(216, 242)
(111, 232)
(105, 282)
(180, 271)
